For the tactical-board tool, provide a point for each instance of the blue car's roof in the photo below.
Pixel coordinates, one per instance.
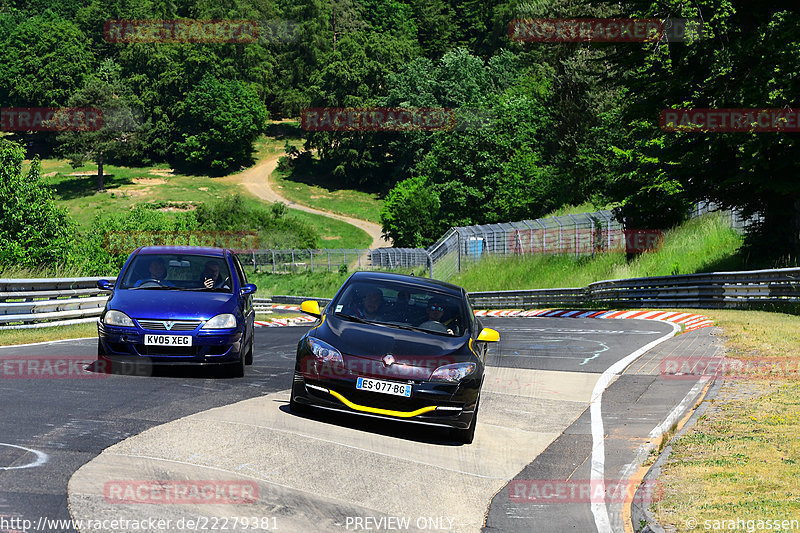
(197, 250)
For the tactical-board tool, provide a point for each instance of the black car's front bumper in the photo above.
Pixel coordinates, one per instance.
(431, 403)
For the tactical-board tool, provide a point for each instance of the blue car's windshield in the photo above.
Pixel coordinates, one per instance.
(402, 305)
(177, 272)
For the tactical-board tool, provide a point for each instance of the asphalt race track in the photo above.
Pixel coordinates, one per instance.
(340, 473)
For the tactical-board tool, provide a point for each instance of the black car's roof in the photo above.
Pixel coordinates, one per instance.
(421, 282)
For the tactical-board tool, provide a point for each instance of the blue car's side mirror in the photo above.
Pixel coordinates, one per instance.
(105, 285)
(249, 289)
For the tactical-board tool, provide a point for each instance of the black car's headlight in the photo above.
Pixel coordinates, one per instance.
(453, 373)
(324, 352)
(223, 321)
(117, 318)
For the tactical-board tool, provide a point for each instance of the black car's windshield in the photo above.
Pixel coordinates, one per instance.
(404, 306)
(177, 272)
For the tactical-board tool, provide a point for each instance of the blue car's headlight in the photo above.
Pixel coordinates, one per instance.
(117, 318)
(223, 321)
(453, 373)
(324, 352)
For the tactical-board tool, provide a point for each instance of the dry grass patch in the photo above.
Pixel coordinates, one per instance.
(742, 458)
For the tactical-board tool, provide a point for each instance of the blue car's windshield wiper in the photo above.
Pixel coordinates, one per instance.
(167, 287)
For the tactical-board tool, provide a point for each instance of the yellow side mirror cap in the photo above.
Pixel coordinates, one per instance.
(311, 307)
(488, 335)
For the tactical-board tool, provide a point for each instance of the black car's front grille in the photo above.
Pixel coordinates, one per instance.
(169, 325)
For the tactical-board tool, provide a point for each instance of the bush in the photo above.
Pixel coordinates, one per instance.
(33, 230)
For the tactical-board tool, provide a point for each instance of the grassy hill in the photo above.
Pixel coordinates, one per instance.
(700, 245)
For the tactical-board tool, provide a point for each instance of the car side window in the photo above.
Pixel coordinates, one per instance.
(239, 272)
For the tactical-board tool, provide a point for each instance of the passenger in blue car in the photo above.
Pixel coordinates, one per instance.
(212, 277)
(157, 272)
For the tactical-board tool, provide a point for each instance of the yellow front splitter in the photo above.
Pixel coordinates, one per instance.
(388, 412)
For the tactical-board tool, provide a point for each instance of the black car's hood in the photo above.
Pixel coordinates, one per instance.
(172, 304)
(415, 354)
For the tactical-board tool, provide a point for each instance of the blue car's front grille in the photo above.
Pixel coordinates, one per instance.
(169, 325)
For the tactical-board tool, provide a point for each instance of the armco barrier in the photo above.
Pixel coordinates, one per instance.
(29, 303)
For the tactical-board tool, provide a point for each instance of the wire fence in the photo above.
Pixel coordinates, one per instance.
(459, 248)
(580, 234)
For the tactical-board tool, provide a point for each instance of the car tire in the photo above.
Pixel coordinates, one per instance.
(466, 436)
(248, 357)
(236, 370)
(104, 364)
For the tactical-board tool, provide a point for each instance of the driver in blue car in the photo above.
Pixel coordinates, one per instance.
(157, 271)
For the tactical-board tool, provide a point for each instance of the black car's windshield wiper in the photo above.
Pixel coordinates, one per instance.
(354, 318)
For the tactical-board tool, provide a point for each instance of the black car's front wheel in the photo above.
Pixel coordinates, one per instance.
(466, 436)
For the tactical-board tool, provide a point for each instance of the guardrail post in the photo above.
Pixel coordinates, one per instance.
(329, 260)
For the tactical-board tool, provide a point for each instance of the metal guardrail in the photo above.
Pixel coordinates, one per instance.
(34, 303)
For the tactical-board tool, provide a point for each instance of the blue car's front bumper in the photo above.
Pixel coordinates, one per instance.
(213, 347)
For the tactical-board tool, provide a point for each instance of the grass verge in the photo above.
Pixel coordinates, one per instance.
(25, 336)
(699, 245)
(741, 460)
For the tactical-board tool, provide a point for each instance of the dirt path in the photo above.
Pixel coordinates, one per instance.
(256, 180)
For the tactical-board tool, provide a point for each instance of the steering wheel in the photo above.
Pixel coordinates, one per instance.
(150, 282)
(434, 325)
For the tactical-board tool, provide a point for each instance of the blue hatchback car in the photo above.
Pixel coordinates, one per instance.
(179, 305)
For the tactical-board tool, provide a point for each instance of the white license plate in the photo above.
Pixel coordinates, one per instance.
(168, 340)
(386, 387)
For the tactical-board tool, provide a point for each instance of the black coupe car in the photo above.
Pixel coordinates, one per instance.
(397, 347)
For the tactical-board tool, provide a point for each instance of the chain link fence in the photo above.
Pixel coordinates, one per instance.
(459, 248)
(580, 234)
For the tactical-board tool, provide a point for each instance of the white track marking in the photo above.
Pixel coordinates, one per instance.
(597, 476)
(41, 458)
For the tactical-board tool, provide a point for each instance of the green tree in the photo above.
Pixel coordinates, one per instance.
(410, 213)
(120, 120)
(219, 119)
(33, 230)
(45, 60)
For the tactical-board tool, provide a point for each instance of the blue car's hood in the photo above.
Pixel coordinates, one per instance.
(172, 304)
